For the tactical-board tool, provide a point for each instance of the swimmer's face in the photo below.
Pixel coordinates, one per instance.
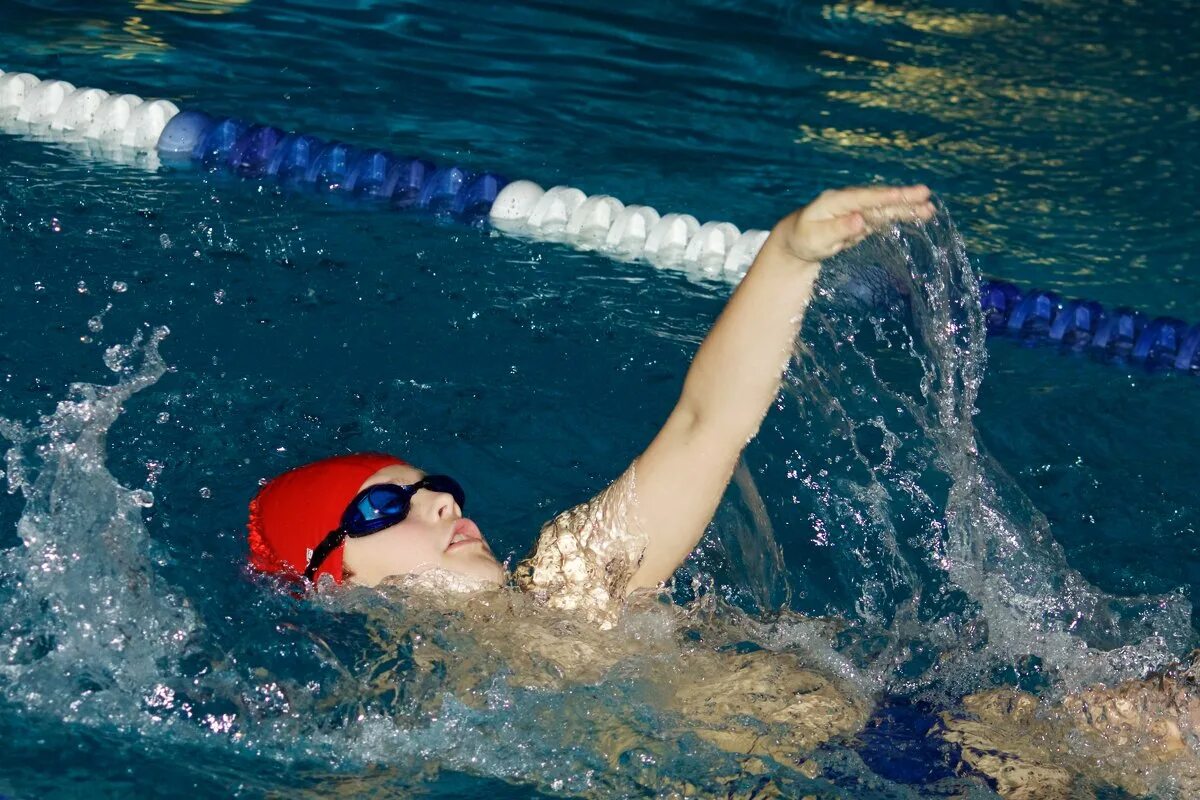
(434, 535)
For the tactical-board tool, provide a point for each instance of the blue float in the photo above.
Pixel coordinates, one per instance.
(1188, 357)
(1159, 342)
(251, 154)
(1118, 333)
(1077, 322)
(1034, 315)
(405, 180)
(294, 156)
(441, 188)
(476, 198)
(369, 174)
(183, 133)
(214, 146)
(998, 300)
(331, 165)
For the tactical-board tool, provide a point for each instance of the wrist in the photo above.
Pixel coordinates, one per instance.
(778, 250)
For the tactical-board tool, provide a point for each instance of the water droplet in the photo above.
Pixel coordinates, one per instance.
(96, 323)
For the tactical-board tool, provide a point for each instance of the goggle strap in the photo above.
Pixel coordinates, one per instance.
(331, 542)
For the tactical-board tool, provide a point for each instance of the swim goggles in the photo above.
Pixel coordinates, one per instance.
(377, 507)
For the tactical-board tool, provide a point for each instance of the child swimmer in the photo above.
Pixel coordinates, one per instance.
(368, 518)
(373, 519)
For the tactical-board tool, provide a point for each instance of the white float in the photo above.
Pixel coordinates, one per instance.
(707, 248)
(667, 241)
(146, 122)
(78, 110)
(594, 217)
(515, 202)
(744, 251)
(112, 116)
(629, 230)
(553, 210)
(14, 86)
(42, 102)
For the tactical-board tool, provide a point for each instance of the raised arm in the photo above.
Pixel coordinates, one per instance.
(736, 372)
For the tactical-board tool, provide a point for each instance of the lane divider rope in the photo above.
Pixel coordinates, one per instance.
(715, 250)
(1119, 334)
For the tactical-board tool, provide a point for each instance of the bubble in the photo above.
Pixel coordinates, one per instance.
(120, 287)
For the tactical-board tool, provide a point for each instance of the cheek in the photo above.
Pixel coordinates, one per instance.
(395, 552)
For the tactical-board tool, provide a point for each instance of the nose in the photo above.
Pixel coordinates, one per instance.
(440, 505)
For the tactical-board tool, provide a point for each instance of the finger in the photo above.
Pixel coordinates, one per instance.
(842, 201)
(879, 216)
(829, 236)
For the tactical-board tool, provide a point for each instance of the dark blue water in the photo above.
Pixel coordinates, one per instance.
(1060, 136)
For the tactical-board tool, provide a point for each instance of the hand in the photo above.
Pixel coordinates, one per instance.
(841, 218)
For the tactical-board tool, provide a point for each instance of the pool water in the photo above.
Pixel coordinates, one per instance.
(1059, 136)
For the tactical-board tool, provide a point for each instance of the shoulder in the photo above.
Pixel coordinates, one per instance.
(585, 556)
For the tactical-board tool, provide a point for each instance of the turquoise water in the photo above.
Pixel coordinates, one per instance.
(1060, 136)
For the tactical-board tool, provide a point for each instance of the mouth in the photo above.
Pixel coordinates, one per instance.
(464, 533)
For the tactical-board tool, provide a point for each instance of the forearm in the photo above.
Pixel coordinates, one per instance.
(729, 387)
(736, 372)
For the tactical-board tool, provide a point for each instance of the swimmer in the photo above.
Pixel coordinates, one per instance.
(376, 521)
(370, 518)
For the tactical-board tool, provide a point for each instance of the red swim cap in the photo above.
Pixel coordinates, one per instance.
(294, 511)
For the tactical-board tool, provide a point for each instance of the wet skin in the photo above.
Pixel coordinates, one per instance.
(434, 536)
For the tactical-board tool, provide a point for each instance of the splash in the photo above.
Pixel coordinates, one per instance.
(956, 572)
(88, 625)
(958, 566)
(350, 679)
